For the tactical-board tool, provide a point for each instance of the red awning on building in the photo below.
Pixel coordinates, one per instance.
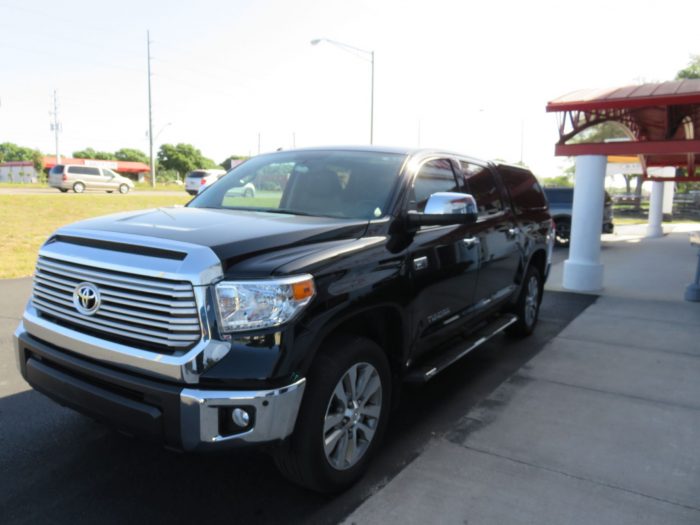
(116, 165)
(662, 121)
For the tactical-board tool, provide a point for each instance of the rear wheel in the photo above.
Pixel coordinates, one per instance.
(563, 232)
(62, 190)
(78, 187)
(248, 193)
(342, 417)
(528, 306)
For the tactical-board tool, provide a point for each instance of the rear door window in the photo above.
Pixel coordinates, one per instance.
(84, 170)
(57, 169)
(525, 191)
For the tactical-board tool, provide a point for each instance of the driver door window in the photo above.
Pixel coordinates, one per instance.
(434, 176)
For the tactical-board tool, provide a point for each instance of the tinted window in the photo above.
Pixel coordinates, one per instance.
(198, 174)
(83, 170)
(524, 190)
(108, 173)
(434, 176)
(559, 196)
(57, 169)
(481, 183)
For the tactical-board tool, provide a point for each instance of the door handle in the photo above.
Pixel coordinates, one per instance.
(512, 232)
(471, 241)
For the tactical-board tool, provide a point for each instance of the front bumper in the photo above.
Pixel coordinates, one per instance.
(181, 418)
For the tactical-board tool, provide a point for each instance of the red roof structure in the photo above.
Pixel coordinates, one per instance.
(116, 165)
(662, 121)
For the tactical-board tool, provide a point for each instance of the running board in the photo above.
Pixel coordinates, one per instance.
(425, 372)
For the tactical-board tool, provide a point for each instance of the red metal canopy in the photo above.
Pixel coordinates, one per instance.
(116, 165)
(662, 121)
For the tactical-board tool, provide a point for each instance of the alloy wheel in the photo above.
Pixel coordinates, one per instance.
(352, 416)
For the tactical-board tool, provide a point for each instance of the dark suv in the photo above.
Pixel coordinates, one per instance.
(288, 319)
(561, 203)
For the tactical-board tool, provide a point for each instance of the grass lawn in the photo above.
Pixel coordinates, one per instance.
(27, 220)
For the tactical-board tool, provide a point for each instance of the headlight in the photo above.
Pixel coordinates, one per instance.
(252, 305)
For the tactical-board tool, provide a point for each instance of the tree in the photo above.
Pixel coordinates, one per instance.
(89, 153)
(10, 152)
(600, 133)
(131, 155)
(561, 181)
(183, 158)
(692, 70)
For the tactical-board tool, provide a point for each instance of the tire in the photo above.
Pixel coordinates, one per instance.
(78, 187)
(326, 416)
(110, 191)
(248, 193)
(123, 189)
(527, 308)
(563, 232)
(63, 190)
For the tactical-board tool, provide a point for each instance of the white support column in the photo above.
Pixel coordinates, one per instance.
(656, 203)
(669, 190)
(583, 271)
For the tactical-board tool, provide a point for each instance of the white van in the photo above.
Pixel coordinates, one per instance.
(79, 178)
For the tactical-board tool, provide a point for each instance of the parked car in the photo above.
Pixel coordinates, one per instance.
(561, 203)
(196, 180)
(79, 178)
(289, 325)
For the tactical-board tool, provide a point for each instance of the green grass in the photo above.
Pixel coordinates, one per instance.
(26, 185)
(27, 220)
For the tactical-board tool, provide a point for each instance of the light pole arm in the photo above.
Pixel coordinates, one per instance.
(362, 54)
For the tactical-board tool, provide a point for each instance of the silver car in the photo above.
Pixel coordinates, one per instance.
(80, 178)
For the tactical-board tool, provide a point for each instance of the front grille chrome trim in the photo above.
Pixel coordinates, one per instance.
(128, 323)
(161, 302)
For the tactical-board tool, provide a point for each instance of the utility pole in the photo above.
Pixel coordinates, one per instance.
(150, 112)
(56, 125)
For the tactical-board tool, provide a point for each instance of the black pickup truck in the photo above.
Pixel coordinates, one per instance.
(289, 319)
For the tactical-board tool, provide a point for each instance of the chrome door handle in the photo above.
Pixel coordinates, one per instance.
(512, 232)
(471, 241)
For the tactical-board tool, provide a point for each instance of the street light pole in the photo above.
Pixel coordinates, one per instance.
(369, 56)
(150, 113)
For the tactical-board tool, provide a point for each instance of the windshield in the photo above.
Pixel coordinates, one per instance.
(343, 184)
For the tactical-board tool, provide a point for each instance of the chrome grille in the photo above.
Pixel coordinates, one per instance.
(152, 313)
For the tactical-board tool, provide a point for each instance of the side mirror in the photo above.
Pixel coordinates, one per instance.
(445, 208)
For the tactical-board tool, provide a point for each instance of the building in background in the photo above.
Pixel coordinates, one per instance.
(24, 172)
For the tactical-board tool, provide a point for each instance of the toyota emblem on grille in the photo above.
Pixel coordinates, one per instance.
(86, 298)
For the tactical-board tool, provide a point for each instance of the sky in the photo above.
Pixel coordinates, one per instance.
(238, 76)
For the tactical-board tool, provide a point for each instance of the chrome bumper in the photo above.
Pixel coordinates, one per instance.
(197, 418)
(275, 413)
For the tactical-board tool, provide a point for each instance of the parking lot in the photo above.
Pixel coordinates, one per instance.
(86, 473)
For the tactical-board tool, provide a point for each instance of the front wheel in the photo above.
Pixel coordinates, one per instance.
(248, 193)
(123, 189)
(528, 306)
(342, 417)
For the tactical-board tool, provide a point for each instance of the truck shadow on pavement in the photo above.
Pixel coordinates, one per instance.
(61, 467)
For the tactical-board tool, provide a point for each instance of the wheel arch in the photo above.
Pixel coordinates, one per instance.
(382, 323)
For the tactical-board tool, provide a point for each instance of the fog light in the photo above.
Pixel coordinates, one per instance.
(240, 417)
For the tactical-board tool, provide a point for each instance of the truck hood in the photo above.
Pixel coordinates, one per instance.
(234, 235)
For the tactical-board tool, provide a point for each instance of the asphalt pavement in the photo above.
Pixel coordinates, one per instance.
(60, 467)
